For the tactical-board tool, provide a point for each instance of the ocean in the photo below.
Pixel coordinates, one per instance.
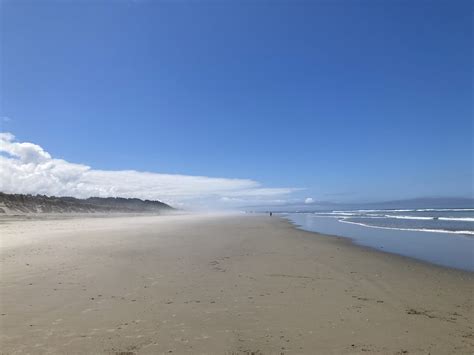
(443, 236)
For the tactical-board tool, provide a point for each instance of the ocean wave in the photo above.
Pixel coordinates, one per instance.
(383, 210)
(340, 213)
(332, 216)
(411, 229)
(460, 219)
(409, 217)
(419, 218)
(378, 216)
(352, 211)
(445, 210)
(411, 210)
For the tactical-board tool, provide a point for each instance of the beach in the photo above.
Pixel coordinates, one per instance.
(219, 284)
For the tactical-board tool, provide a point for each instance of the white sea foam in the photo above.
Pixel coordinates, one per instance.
(336, 213)
(412, 210)
(384, 210)
(445, 210)
(460, 219)
(371, 215)
(420, 218)
(410, 229)
(409, 217)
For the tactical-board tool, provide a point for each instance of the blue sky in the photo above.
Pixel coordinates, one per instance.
(349, 100)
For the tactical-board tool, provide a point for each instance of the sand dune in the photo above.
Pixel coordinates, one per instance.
(30, 205)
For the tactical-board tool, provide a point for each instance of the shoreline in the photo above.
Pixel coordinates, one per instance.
(353, 243)
(445, 250)
(220, 284)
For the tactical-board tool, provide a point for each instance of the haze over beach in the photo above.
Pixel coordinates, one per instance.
(228, 177)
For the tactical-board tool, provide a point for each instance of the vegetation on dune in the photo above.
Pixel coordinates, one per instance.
(19, 203)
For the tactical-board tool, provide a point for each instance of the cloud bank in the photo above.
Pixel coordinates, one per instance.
(28, 169)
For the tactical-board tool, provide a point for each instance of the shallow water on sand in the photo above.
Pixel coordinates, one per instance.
(446, 249)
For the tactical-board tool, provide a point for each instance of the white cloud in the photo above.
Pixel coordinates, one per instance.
(28, 168)
(308, 200)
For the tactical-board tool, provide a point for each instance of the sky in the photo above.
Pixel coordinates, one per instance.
(234, 103)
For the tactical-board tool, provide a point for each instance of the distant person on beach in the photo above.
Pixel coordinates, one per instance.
(271, 214)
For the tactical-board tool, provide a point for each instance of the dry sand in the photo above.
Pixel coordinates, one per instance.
(219, 285)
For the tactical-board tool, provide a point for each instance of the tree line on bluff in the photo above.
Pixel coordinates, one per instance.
(51, 204)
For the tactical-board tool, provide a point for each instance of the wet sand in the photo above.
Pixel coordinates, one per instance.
(219, 285)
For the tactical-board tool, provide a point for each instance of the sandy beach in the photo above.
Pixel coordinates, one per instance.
(219, 284)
